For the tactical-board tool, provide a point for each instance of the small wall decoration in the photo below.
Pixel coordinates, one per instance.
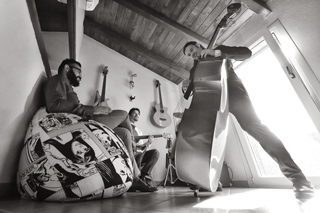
(68, 159)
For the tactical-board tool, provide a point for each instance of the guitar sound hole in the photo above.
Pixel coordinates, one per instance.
(163, 119)
(162, 111)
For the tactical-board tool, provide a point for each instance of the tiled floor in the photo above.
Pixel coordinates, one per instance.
(178, 200)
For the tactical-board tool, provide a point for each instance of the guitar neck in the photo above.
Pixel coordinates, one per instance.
(160, 96)
(136, 138)
(214, 38)
(103, 94)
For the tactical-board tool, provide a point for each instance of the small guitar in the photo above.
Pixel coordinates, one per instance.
(161, 116)
(101, 100)
(142, 148)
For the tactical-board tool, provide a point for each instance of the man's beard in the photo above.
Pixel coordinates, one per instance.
(73, 78)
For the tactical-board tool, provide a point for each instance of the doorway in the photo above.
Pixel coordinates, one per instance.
(277, 101)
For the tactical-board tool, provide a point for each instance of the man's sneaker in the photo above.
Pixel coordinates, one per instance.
(132, 188)
(141, 186)
(304, 190)
(148, 181)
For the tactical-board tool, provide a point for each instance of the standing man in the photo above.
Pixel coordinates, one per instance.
(241, 107)
(60, 97)
(147, 159)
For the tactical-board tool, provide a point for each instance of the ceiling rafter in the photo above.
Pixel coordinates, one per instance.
(96, 28)
(72, 5)
(162, 20)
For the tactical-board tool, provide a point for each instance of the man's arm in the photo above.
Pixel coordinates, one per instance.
(236, 53)
(225, 52)
(60, 97)
(55, 92)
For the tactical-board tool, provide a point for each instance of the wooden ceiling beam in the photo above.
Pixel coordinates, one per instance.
(162, 20)
(38, 33)
(96, 28)
(72, 6)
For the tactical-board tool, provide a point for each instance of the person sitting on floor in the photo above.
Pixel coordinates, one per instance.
(148, 157)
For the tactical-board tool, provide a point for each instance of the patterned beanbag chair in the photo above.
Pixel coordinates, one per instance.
(68, 159)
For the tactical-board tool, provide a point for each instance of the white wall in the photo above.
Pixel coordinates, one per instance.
(93, 57)
(22, 72)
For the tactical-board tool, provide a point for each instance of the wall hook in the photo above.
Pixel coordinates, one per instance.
(131, 81)
(132, 97)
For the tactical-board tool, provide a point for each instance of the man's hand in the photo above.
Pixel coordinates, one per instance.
(101, 110)
(150, 139)
(134, 146)
(214, 53)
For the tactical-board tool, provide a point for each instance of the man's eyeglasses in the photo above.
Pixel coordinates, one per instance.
(75, 68)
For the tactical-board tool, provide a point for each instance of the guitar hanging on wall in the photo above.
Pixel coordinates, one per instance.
(101, 100)
(161, 116)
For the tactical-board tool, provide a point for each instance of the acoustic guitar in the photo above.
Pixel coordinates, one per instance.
(142, 148)
(161, 116)
(101, 100)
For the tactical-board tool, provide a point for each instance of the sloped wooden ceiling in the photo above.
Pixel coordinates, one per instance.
(153, 32)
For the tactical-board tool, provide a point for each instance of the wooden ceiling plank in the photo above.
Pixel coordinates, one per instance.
(170, 8)
(136, 28)
(90, 25)
(112, 14)
(118, 19)
(213, 16)
(203, 15)
(152, 3)
(177, 49)
(105, 18)
(162, 6)
(141, 60)
(179, 8)
(166, 43)
(125, 20)
(186, 11)
(115, 46)
(195, 13)
(99, 10)
(130, 25)
(125, 52)
(148, 33)
(97, 13)
(178, 57)
(154, 37)
(171, 46)
(143, 26)
(162, 20)
(160, 41)
(183, 61)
